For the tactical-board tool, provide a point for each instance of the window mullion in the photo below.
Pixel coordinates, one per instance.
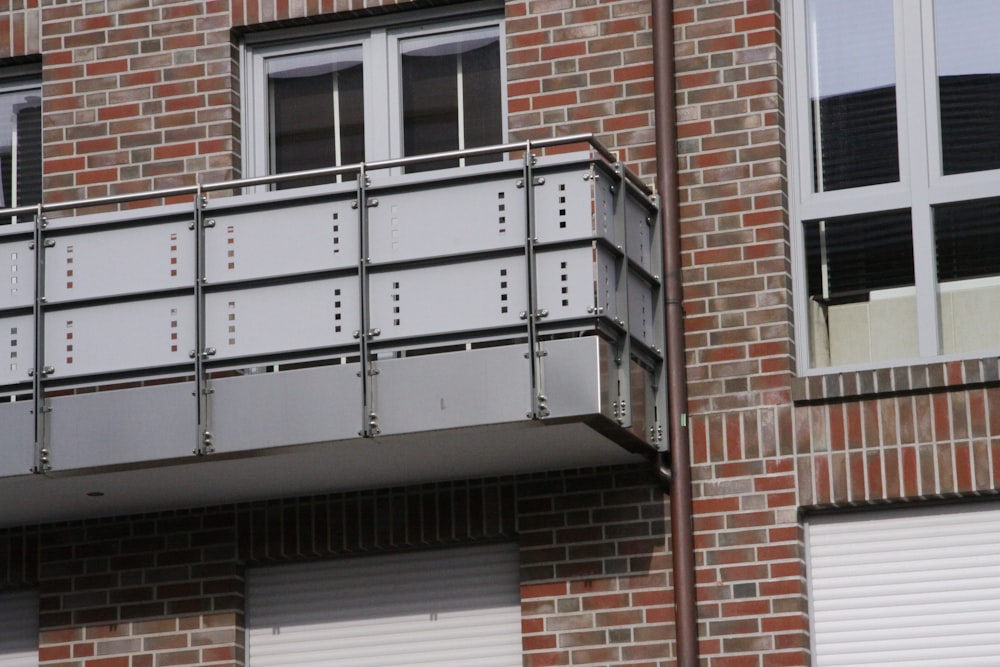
(914, 118)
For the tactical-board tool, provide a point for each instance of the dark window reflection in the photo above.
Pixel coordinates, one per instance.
(451, 95)
(20, 149)
(849, 257)
(967, 239)
(317, 113)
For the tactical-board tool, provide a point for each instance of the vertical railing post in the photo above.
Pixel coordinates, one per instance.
(204, 440)
(539, 402)
(622, 410)
(40, 408)
(369, 412)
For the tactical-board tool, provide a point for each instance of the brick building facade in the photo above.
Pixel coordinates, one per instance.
(147, 94)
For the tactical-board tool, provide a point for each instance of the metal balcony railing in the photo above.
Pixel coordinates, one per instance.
(526, 288)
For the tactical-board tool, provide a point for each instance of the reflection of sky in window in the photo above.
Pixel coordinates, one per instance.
(313, 64)
(968, 37)
(449, 43)
(851, 46)
(9, 103)
(6, 120)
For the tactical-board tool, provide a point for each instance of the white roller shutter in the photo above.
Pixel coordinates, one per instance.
(446, 608)
(908, 588)
(18, 629)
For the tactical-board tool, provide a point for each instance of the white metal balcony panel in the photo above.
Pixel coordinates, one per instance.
(576, 374)
(17, 348)
(120, 261)
(284, 317)
(453, 389)
(17, 274)
(463, 296)
(576, 203)
(124, 426)
(291, 407)
(16, 446)
(120, 336)
(279, 240)
(577, 282)
(462, 218)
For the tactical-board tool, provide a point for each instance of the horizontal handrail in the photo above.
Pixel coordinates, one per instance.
(191, 190)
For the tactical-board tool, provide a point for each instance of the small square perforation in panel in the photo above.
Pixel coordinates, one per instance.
(231, 306)
(69, 346)
(231, 242)
(396, 309)
(173, 255)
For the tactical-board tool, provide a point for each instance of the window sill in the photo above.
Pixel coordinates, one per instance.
(835, 386)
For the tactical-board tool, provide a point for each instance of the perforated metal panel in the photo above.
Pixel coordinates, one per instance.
(17, 348)
(485, 386)
(86, 265)
(17, 443)
(449, 297)
(576, 282)
(467, 217)
(574, 203)
(120, 336)
(291, 407)
(17, 274)
(250, 243)
(123, 426)
(642, 310)
(638, 220)
(279, 318)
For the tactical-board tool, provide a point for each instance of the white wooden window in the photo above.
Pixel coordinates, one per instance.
(906, 587)
(374, 92)
(455, 607)
(18, 628)
(20, 140)
(894, 137)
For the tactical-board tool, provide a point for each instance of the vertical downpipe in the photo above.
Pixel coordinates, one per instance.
(679, 475)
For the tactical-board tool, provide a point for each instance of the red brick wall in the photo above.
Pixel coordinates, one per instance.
(167, 589)
(595, 570)
(578, 66)
(19, 28)
(137, 98)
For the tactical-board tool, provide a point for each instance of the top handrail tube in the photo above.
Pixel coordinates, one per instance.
(192, 190)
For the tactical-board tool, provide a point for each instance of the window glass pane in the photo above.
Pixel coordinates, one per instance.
(862, 300)
(316, 111)
(968, 70)
(20, 148)
(852, 88)
(967, 241)
(451, 93)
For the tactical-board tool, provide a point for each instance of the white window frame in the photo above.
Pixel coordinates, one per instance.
(922, 184)
(18, 79)
(379, 40)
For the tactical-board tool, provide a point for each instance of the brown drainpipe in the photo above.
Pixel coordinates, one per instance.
(676, 472)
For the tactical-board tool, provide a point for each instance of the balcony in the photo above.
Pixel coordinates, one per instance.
(386, 328)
